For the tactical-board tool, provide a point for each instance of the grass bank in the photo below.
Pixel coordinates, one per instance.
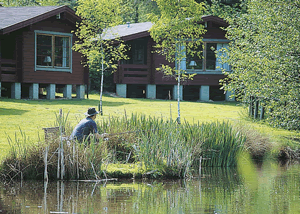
(31, 116)
(155, 147)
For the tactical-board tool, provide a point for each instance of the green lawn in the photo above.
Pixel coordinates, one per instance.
(32, 115)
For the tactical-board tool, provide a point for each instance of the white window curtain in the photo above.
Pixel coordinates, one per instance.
(64, 52)
(221, 54)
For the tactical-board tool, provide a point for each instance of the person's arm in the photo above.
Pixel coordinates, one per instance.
(96, 134)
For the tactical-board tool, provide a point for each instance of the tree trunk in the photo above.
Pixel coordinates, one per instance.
(101, 85)
(178, 87)
(101, 88)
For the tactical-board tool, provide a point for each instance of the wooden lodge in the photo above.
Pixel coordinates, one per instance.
(36, 53)
(138, 78)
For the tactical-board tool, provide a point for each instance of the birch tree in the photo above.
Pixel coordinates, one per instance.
(265, 58)
(97, 43)
(177, 31)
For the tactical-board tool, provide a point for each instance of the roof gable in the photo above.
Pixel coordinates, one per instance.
(138, 30)
(14, 18)
(215, 19)
(129, 31)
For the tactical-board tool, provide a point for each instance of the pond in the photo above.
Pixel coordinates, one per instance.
(266, 188)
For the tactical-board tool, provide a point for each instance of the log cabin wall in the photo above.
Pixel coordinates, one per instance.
(36, 54)
(204, 86)
(10, 69)
(214, 31)
(46, 77)
(155, 60)
(138, 68)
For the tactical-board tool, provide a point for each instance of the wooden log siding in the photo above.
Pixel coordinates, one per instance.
(0, 66)
(135, 74)
(214, 32)
(19, 58)
(8, 70)
(118, 76)
(47, 77)
(126, 72)
(155, 60)
(151, 69)
(159, 60)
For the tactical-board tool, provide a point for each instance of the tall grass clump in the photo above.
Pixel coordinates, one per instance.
(159, 147)
(222, 144)
(26, 159)
(179, 148)
(22, 160)
(257, 144)
(166, 148)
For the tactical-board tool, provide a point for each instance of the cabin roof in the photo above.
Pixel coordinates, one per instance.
(126, 30)
(14, 18)
(138, 30)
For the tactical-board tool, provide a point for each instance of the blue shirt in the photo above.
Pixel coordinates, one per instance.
(84, 128)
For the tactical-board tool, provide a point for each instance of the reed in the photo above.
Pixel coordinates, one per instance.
(161, 147)
(173, 150)
(22, 161)
(26, 161)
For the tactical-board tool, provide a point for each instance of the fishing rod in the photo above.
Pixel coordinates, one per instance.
(120, 133)
(128, 132)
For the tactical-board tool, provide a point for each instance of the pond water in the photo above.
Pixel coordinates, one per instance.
(269, 188)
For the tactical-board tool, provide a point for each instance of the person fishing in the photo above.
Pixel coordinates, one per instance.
(87, 128)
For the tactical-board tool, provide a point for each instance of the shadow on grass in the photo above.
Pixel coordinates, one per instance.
(224, 103)
(85, 102)
(11, 111)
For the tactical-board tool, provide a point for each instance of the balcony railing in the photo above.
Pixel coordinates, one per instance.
(132, 73)
(8, 70)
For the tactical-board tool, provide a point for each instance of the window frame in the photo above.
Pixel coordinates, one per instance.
(53, 35)
(204, 62)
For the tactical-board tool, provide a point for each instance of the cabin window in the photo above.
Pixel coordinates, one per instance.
(195, 61)
(53, 51)
(207, 60)
(210, 56)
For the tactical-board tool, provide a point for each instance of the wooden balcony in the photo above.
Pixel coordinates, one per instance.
(8, 70)
(134, 74)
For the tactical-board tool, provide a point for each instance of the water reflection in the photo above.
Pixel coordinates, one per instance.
(269, 188)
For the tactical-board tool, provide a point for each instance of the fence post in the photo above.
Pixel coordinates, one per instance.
(262, 112)
(251, 106)
(256, 108)
(62, 170)
(58, 163)
(45, 196)
(46, 164)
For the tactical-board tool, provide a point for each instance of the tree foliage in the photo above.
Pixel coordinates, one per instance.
(176, 32)
(225, 9)
(18, 3)
(136, 11)
(97, 40)
(265, 58)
